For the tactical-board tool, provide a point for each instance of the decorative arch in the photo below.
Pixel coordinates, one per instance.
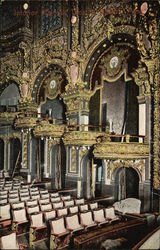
(97, 52)
(116, 169)
(42, 76)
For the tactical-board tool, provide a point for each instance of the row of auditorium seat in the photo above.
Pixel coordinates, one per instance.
(62, 228)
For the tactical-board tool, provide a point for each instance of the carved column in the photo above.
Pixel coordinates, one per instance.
(46, 174)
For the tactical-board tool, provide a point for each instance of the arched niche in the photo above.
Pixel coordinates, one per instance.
(115, 104)
(9, 98)
(15, 154)
(126, 183)
(49, 85)
(1, 154)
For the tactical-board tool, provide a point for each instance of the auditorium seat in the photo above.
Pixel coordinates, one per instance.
(60, 236)
(46, 207)
(5, 215)
(10, 242)
(65, 197)
(79, 201)
(33, 209)
(44, 201)
(110, 214)
(69, 203)
(62, 212)
(24, 198)
(83, 207)
(72, 223)
(93, 205)
(99, 218)
(38, 229)
(19, 204)
(20, 222)
(55, 199)
(57, 205)
(49, 215)
(31, 203)
(3, 200)
(73, 209)
(87, 220)
(56, 194)
(43, 196)
(13, 199)
(34, 197)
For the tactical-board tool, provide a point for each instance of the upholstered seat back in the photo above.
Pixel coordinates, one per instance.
(44, 196)
(9, 242)
(4, 192)
(43, 191)
(50, 215)
(73, 209)
(66, 197)
(13, 199)
(26, 193)
(79, 201)
(37, 220)
(5, 211)
(3, 201)
(55, 199)
(83, 207)
(86, 218)
(19, 215)
(34, 197)
(44, 201)
(54, 194)
(110, 213)
(72, 222)
(31, 203)
(99, 215)
(33, 209)
(46, 207)
(69, 203)
(13, 192)
(58, 205)
(18, 205)
(57, 226)
(62, 212)
(15, 195)
(4, 196)
(93, 205)
(25, 198)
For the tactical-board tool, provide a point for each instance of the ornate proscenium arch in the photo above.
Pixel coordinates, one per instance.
(120, 39)
(45, 72)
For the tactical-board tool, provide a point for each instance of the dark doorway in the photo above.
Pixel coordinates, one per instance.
(15, 154)
(98, 179)
(1, 154)
(127, 183)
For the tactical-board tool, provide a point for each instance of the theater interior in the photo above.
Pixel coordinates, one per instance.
(79, 124)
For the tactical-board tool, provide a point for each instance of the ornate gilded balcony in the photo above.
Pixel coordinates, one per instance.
(48, 128)
(7, 118)
(79, 135)
(128, 147)
(25, 120)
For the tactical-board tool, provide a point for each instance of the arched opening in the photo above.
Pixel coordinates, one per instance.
(9, 98)
(86, 173)
(115, 105)
(126, 183)
(1, 154)
(98, 177)
(15, 154)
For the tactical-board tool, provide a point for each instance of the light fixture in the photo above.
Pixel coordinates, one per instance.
(25, 6)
